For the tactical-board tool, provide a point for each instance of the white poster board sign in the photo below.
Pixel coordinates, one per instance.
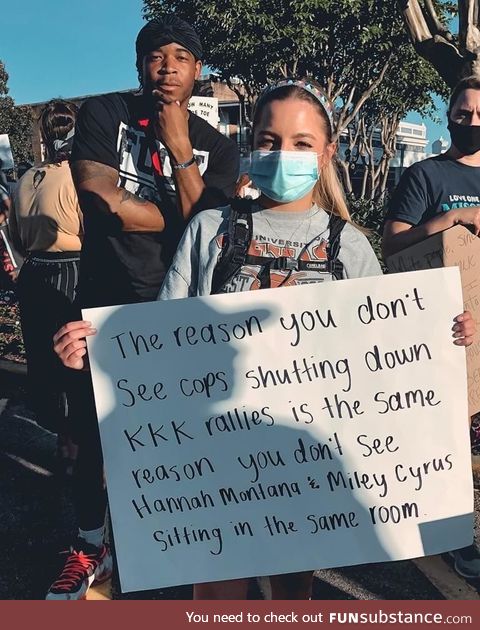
(5, 152)
(206, 107)
(284, 430)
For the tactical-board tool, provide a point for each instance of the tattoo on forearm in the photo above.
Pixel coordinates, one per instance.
(86, 170)
(128, 196)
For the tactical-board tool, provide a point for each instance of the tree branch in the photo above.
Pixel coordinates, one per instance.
(346, 120)
(433, 42)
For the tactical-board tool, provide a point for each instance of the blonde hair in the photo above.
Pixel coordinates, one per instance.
(328, 192)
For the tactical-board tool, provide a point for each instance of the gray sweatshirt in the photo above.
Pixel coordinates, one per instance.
(275, 233)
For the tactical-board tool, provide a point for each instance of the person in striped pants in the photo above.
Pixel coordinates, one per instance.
(46, 225)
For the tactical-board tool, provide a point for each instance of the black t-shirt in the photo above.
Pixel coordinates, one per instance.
(123, 267)
(433, 186)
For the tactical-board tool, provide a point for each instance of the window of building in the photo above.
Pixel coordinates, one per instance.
(229, 114)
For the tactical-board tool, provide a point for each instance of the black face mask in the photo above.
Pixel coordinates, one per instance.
(466, 138)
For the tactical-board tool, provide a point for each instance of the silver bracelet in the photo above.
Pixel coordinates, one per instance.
(182, 165)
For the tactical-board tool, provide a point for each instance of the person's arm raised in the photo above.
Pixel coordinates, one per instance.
(398, 235)
(98, 192)
(171, 127)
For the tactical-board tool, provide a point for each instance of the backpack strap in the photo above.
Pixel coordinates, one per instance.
(335, 227)
(236, 243)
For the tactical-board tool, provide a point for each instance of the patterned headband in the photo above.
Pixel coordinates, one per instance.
(66, 142)
(305, 85)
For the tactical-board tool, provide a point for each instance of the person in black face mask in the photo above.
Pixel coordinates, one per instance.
(464, 125)
(434, 195)
(437, 193)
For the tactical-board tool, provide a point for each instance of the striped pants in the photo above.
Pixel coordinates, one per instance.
(46, 288)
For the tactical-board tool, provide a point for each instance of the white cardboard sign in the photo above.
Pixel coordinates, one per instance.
(5, 152)
(284, 430)
(206, 107)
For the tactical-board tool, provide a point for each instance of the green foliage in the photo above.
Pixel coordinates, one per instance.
(11, 341)
(3, 80)
(16, 121)
(370, 214)
(409, 85)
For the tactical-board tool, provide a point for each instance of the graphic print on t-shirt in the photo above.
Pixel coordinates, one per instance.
(268, 247)
(461, 201)
(135, 163)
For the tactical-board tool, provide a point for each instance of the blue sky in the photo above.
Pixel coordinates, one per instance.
(67, 48)
(63, 48)
(434, 130)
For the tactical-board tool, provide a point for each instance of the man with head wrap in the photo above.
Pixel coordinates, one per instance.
(142, 165)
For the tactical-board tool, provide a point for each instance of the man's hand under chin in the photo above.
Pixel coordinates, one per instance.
(171, 126)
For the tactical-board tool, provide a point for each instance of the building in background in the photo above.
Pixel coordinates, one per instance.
(412, 145)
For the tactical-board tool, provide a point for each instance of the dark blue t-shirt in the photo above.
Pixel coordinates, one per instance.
(433, 186)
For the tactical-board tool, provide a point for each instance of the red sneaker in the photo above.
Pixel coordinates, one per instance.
(85, 564)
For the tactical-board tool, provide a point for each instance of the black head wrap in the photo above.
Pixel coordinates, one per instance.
(165, 30)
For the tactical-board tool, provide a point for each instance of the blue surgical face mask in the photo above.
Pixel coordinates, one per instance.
(284, 176)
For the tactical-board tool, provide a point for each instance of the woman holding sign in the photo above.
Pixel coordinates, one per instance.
(298, 231)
